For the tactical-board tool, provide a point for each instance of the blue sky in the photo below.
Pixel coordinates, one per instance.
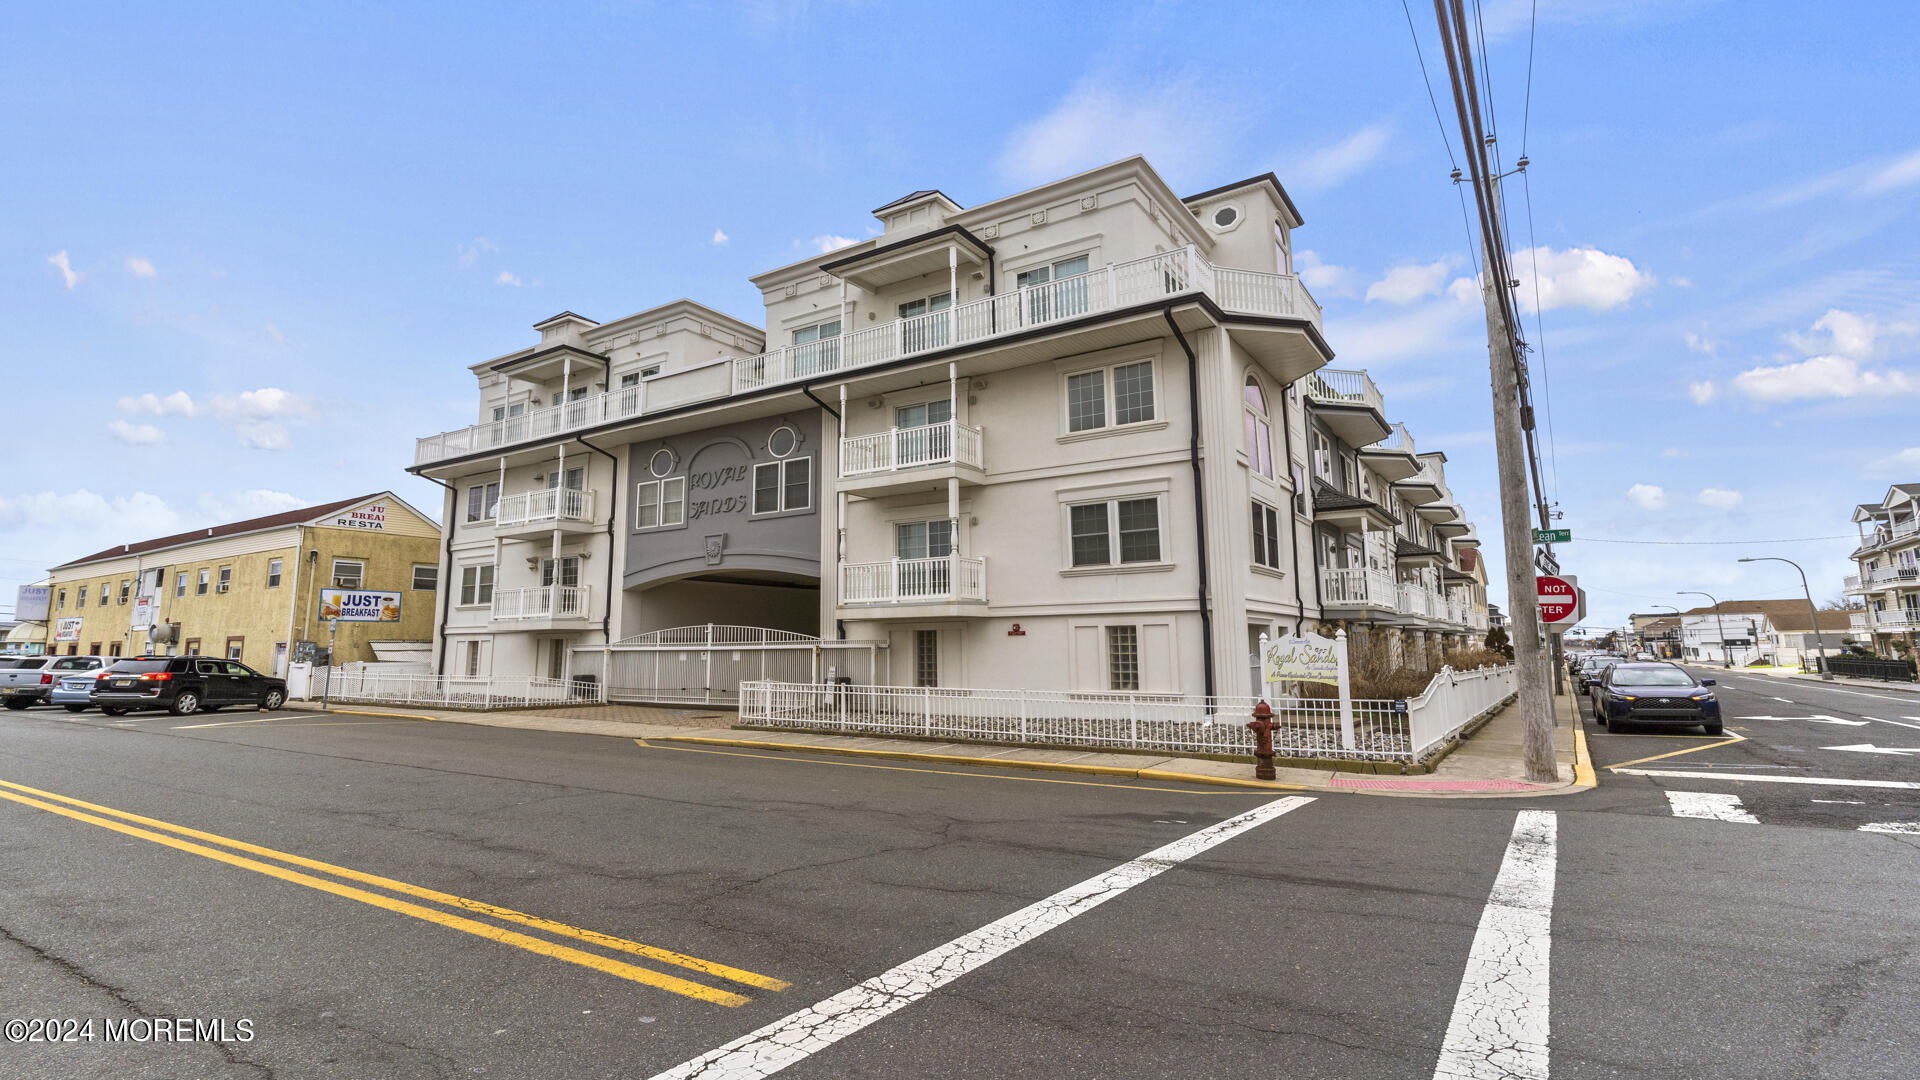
(293, 229)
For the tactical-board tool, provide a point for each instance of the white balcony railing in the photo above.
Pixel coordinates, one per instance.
(552, 504)
(541, 602)
(1156, 277)
(1400, 442)
(1357, 587)
(1885, 577)
(1350, 387)
(945, 443)
(1893, 618)
(906, 581)
(1887, 533)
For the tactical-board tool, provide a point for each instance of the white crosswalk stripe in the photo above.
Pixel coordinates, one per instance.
(1893, 828)
(1711, 805)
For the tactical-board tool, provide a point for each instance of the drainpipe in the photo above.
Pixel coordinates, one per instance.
(840, 512)
(1199, 494)
(1313, 535)
(446, 588)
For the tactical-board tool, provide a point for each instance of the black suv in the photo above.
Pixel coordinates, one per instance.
(184, 685)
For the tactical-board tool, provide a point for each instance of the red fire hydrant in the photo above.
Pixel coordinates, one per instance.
(1262, 727)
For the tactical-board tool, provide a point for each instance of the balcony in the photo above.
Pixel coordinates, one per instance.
(1886, 577)
(901, 459)
(541, 607)
(1417, 599)
(1357, 587)
(1123, 285)
(532, 513)
(1336, 387)
(947, 579)
(1348, 405)
(1884, 534)
(1893, 618)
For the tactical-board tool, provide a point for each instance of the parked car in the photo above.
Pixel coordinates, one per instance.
(73, 679)
(1640, 657)
(184, 685)
(1659, 694)
(25, 681)
(1592, 669)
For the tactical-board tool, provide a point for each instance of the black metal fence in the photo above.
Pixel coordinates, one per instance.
(1864, 667)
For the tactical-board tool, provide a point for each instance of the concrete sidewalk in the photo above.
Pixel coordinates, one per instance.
(1486, 763)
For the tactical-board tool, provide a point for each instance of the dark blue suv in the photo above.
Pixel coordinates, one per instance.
(1657, 695)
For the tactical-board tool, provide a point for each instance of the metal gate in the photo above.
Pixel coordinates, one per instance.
(706, 664)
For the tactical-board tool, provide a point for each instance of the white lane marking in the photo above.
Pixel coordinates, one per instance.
(1817, 781)
(1500, 1018)
(1895, 723)
(1869, 748)
(1788, 700)
(1711, 805)
(1840, 802)
(795, 1038)
(229, 723)
(1894, 828)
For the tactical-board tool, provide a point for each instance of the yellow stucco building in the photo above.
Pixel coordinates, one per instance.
(251, 590)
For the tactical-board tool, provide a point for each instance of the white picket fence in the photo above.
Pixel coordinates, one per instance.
(451, 691)
(1384, 730)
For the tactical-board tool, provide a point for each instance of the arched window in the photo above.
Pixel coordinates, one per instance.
(1259, 432)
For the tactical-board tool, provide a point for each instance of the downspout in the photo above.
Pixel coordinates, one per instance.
(1313, 535)
(839, 626)
(446, 590)
(1199, 495)
(1286, 436)
(613, 492)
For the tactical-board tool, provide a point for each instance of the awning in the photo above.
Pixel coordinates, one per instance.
(27, 633)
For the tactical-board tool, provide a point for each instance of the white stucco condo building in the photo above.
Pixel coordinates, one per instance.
(1058, 440)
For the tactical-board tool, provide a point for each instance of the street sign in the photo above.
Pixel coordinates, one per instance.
(1553, 536)
(1559, 600)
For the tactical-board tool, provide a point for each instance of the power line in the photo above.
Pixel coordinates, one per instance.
(1712, 543)
(1540, 332)
(1431, 100)
(1526, 112)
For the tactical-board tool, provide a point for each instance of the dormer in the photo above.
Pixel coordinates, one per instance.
(916, 213)
(563, 329)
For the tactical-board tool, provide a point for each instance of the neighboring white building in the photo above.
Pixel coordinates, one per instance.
(1058, 440)
(1889, 579)
(1760, 631)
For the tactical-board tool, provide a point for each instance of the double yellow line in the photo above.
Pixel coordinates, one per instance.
(77, 810)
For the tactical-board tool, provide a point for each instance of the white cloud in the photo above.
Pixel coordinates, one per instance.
(1674, 452)
(53, 527)
(1331, 164)
(469, 254)
(274, 333)
(1425, 330)
(1680, 282)
(149, 404)
(506, 278)
(1820, 377)
(140, 267)
(1405, 284)
(720, 238)
(1701, 343)
(1323, 277)
(1578, 277)
(1903, 172)
(1904, 461)
(263, 435)
(1648, 496)
(1177, 124)
(1850, 334)
(1464, 290)
(65, 266)
(135, 434)
(830, 242)
(1721, 498)
(266, 402)
(1703, 392)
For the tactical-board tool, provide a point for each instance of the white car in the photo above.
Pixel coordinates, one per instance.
(1644, 656)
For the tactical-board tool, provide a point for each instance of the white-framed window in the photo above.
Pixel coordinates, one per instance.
(920, 333)
(200, 584)
(779, 486)
(1282, 249)
(821, 347)
(426, 577)
(82, 594)
(510, 410)
(126, 587)
(483, 502)
(473, 659)
(820, 331)
(572, 393)
(1123, 658)
(1259, 431)
(575, 479)
(476, 585)
(348, 573)
(923, 413)
(923, 539)
(1056, 290)
(1114, 532)
(629, 380)
(1108, 397)
(106, 587)
(926, 658)
(226, 580)
(1226, 217)
(273, 573)
(564, 571)
(660, 503)
(1266, 535)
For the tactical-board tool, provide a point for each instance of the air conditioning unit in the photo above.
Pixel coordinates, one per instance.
(345, 583)
(222, 587)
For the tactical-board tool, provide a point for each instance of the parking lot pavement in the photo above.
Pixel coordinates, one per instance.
(398, 898)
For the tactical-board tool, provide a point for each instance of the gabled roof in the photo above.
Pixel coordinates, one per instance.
(1786, 614)
(915, 196)
(563, 315)
(259, 524)
(1404, 548)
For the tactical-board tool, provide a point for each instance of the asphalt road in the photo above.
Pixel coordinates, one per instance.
(389, 898)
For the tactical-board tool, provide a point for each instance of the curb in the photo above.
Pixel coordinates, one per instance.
(999, 763)
(1583, 774)
(1898, 688)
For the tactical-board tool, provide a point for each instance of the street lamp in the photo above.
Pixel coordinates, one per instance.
(1813, 613)
(1676, 611)
(1726, 653)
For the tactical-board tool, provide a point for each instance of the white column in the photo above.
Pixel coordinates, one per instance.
(953, 510)
(953, 294)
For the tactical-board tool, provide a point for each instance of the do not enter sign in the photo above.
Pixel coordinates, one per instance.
(1559, 600)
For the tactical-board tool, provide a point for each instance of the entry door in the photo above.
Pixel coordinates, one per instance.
(557, 658)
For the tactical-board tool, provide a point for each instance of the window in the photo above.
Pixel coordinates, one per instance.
(1259, 432)
(83, 596)
(574, 480)
(923, 414)
(483, 502)
(573, 393)
(1128, 526)
(426, 578)
(1054, 291)
(509, 412)
(226, 578)
(1282, 251)
(924, 333)
(923, 539)
(180, 583)
(200, 584)
(60, 603)
(1090, 408)
(782, 441)
(273, 573)
(348, 573)
(1123, 658)
(235, 647)
(105, 587)
(783, 485)
(1225, 216)
(1266, 536)
(473, 658)
(126, 587)
(476, 585)
(660, 503)
(823, 352)
(113, 648)
(926, 658)
(629, 380)
(569, 567)
(93, 648)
